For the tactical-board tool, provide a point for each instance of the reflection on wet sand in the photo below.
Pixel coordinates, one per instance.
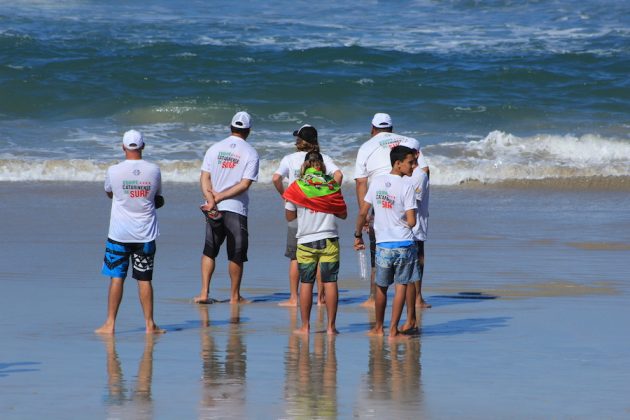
(121, 402)
(223, 391)
(311, 377)
(392, 383)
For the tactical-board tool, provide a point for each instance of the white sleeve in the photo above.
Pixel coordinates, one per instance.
(360, 168)
(368, 195)
(205, 164)
(108, 182)
(158, 190)
(290, 206)
(409, 197)
(251, 168)
(422, 186)
(331, 168)
(422, 163)
(283, 168)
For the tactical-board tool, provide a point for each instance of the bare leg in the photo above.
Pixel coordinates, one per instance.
(306, 303)
(419, 299)
(332, 301)
(321, 292)
(236, 275)
(410, 302)
(145, 292)
(397, 308)
(294, 282)
(370, 302)
(113, 303)
(207, 269)
(379, 309)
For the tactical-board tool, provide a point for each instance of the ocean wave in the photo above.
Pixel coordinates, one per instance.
(589, 161)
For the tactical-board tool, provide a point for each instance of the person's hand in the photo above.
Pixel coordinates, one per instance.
(358, 244)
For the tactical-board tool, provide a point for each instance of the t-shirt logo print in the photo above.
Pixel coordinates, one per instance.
(136, 172)
(228, 160)
(384, 199)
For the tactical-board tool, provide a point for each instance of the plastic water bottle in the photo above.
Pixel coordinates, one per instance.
(363, 265)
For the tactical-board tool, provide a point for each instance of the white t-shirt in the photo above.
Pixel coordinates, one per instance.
(291, 165)
(373, 156)
(313, 225)
(391, 197)
(228, 162)
(134, 183)
(420, 183)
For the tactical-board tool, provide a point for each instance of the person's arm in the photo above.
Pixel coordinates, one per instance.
(109, 194)
(361, 187)
(290, 215)
(410, 215)
(338, 176)
(233, 191)
(276, 179)
(205, 181)
(358, 227)
(342, 215)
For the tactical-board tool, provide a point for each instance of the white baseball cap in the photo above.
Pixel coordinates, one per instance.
(382, 120)
(241, 120)
(133, 140)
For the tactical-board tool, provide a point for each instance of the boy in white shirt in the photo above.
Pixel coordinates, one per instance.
(315, 200)
(372, 161)
(394, 204)
(290, 168)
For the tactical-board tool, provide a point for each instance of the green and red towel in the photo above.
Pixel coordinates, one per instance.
(316, 191)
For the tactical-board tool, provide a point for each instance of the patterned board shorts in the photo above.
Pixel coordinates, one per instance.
(396, 265)
(324, 252)
(117, 254)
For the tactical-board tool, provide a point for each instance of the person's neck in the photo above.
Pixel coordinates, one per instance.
(397, 172)
(133, 156)
(240, 136)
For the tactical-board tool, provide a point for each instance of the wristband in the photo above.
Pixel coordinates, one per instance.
(358, 235)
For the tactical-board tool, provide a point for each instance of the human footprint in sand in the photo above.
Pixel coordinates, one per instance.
(315, 200)
(229, 167)
(394, 204)
(135, 187)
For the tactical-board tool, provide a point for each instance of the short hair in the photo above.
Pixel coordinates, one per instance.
(238, 130)
(383, 129)
(399, 153)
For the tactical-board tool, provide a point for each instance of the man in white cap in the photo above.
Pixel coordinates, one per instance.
(135, 186)
(228, 170)
(373, 160)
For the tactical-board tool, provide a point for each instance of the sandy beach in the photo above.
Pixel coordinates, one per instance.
(529, 292)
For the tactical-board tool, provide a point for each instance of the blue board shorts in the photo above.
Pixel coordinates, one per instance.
(117, 255)
(396, 265)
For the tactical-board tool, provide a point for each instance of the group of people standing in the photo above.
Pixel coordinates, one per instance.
(392, 188)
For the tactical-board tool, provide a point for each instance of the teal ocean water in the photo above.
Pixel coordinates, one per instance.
(495, 91)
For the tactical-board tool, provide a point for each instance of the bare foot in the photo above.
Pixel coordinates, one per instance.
(204, 300)
(408, 327)
(155, 330)
(368, 303)
(422, 304)
(289, 302)
(106, 328)
(332, 331)
(240, 299)
(376, 332)
(304, 330)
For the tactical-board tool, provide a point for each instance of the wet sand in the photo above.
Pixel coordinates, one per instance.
(529, 289)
